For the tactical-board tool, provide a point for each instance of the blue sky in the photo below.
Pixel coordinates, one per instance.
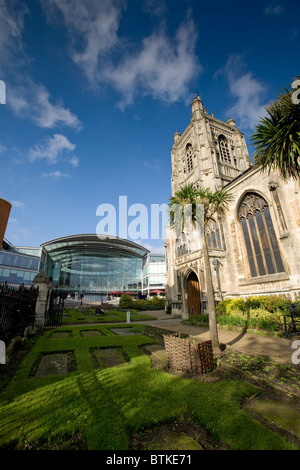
(95, 90)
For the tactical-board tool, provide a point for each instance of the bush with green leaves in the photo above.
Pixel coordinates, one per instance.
(126, 301)
(155, 303)
(271, 303)
(236, 306)
(221, 307)
(263, 312)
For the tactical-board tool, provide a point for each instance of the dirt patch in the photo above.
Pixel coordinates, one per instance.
(184, 434)
(283, 377)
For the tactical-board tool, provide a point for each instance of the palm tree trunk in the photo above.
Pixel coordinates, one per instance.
(210, 300)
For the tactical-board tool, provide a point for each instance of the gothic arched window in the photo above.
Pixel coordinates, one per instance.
(224, 149)
(260, 239)
(213, 235)
(189, 157)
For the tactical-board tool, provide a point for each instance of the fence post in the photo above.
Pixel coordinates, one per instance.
(42, 281)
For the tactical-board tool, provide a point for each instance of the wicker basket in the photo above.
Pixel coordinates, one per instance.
(187, 356)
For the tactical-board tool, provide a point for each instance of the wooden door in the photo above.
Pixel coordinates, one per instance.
(193, 295)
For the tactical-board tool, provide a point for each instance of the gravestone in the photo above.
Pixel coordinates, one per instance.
(60, 334)
(91, 333)
(109, 357)
(125, 331)
(53, 364)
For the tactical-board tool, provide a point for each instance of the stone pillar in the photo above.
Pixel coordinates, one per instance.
(42, 281)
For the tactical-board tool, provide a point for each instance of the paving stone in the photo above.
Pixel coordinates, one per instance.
(53, 364)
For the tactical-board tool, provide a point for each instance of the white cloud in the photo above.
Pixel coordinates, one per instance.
(18, 204)
(96, 22)
(55, 174)
(155, 165)
(74, 161)
(2, 148)
(12, 20)
(155, 7)
(52, 149)
(154, 249)
(273, 10)
(160, 66)
(26, 98)
(34, 101)
(248, 91)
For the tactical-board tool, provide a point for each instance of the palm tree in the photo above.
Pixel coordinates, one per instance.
(214, 204)
(277, 137)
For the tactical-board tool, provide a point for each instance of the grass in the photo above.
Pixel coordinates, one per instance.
(94, 408)
(73, 316)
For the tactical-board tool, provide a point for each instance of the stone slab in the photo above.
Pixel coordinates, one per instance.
(158, 355)
(91, 333)
(60, 334)
(284, 416)
(109, 357)
(53, 364)
(125, 331)
(173, 441)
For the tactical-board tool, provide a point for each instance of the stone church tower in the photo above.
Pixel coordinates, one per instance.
(209, 153)
(255, 248)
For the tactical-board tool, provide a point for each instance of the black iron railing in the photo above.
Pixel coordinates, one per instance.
(17, 310)
(53, 316)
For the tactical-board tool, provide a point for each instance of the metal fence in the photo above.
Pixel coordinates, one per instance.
(17, 310)
(53, 316)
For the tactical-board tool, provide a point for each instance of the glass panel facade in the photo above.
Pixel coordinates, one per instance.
(94, 270)
(13, 259)
(16, 268)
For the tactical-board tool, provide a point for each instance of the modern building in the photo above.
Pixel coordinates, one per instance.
(5, 208)
(95, 266)
(19, 265)
(254, 248)
(154, 274)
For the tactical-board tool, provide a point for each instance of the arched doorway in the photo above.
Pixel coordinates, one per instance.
(193, 290)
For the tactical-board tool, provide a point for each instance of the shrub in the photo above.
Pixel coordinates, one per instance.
(271, 303)
(126, 301)
(263, 312)
(169, 309)
(156, 303)
(232, 320)
(263, 319)
(236, 305)
(221, 307)
(199, 320)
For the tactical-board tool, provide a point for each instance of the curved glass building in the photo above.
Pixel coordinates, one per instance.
(95, 264)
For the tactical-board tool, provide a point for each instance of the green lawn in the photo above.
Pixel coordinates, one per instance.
(72, 316)
(103, 407)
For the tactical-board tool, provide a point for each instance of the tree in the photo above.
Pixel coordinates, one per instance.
(214, 204)
(277, 137)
